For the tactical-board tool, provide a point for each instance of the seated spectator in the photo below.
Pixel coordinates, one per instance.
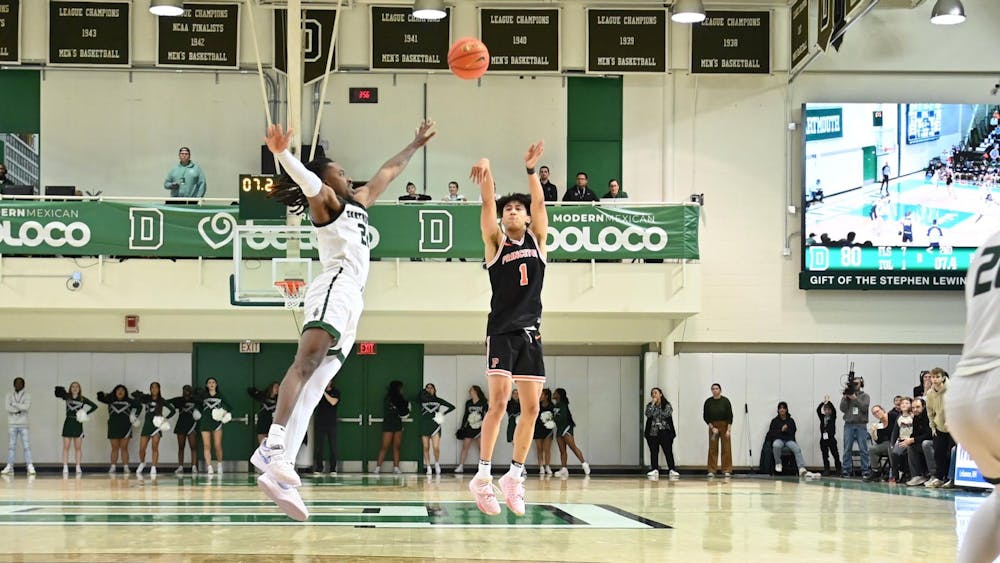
(551, 190)
(881, 433)
(580, 192)
(782, 435)
(453, 194)
(901, 440)
(615, 191)
(816, 193)
(921, 465)
(4, 180)
(412, 195)
(186, 179)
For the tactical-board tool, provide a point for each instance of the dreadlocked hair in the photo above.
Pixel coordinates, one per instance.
(286, 192)
(523, 199)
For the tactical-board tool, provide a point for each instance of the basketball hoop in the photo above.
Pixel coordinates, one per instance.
(292, 291)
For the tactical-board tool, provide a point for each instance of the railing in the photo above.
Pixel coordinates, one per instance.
(21, 160)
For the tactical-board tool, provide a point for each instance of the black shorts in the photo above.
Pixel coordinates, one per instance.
(517, 355)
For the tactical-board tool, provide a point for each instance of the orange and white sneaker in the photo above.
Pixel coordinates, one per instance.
(486, 498)
(513, 491)
(287, 498)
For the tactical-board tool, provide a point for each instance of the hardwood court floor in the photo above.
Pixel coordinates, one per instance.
(411, 518)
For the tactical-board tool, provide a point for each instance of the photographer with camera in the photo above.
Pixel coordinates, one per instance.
(854, 405)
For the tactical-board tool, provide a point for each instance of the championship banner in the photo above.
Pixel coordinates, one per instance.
(92, 228)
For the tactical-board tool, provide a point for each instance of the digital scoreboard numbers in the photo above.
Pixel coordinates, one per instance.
(626, 41)
(89, 33)
(254, 203)
(10, 31)
(521, 39)
(204, 36)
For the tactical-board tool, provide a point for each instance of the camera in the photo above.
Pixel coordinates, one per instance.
(853, 383)
(75, 281)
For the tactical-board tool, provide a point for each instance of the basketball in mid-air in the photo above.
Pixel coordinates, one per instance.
(468, 58)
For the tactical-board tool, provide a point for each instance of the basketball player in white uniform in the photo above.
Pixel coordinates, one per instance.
(333, 300)
(974, 392)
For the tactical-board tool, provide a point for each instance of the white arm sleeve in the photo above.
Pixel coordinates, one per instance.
(309, 182)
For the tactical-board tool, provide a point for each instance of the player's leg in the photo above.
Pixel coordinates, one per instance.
(313, 346)
(499, 392)
(512, 483)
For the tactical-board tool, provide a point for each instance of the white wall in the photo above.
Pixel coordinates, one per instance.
(95, 372)
(604, 398)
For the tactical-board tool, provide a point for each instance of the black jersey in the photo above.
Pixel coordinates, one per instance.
(516, 275)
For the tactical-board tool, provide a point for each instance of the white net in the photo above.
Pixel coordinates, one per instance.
(292, 291)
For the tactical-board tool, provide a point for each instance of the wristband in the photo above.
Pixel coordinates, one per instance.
(530, 171)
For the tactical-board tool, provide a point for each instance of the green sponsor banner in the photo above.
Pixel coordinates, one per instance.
(824, 123)
(396, 231)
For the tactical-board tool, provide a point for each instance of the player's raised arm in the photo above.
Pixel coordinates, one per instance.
(393, 167)
(308, 183)
(539, 217)
(482, 175)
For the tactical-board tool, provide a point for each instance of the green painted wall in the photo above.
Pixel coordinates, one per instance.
(594, 131)
(20, 101)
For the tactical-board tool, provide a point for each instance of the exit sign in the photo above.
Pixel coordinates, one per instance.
(877, 118)
(366, 348)
(250, 347)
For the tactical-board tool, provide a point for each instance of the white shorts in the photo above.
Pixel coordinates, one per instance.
(974, 419)
(334, 305)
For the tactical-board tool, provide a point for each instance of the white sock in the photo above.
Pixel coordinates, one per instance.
(485, 468)
(275, 436)
(982, 537)
(516, 469)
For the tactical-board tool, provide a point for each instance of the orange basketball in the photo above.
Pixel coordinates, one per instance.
(468, 58)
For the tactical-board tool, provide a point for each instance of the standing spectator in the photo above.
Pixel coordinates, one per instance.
(325, 429)
(4, 180)
(186, 179)
(453, 194)
(268, 402)
(828, 435)
(412, 195)
(782, 435)
(551, 190)
(78, 411)
(513, 412)
(899, 440)
(432, 411)
(885, 180)
(615, 190)
(881, 433)
(186, 428)
(923, 385)
(943, 442)
(545, 429)
(580, 192)
(660, 433)
(564, 432)
(718, 415)
(854, 405)
(394, 408)
(472, 423)
(18, 403)
(921, 465)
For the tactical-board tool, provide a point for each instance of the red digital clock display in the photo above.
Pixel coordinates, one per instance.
(363, 95)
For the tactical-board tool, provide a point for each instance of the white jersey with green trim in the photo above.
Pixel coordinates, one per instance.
(981, 351)
(343, 244)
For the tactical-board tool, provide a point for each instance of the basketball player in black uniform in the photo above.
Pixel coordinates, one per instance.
(515, 260)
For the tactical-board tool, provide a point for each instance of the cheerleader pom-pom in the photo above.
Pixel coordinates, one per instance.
(439, 418)
(226, 417)
(196, 415)
(550, 424)
(157, 421)
(136, 421)
(475, 420)
(165, 427)
(545, 416)
(217, 413)
(82, 416)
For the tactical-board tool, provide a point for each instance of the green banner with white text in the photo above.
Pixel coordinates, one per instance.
(90, 228)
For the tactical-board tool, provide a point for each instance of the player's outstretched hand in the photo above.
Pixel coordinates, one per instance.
(424, 133)
(534, 153)
(480, 170)
(276, 139)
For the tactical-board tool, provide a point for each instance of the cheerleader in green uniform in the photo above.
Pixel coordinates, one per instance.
(154, 425)
(545, 429)
(472, 423)
(123, 412)
(186, 427)
(215, 412)
(268, 401)
(76, 415)
(564, 432)
(513, 412)
(394, 408)
(432, 411)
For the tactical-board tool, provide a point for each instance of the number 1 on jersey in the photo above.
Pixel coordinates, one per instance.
(523, 268)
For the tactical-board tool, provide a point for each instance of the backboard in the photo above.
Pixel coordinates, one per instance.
(265, 254)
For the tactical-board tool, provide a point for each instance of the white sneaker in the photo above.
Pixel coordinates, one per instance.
(378, 469)
(653, 473)
(711, 475)
(112, 469)
(541, 470)
(727, 474)
(179, 470)
(194, 469)
(271, 461)
(586, 468)
(78, 470)
(286, 497)
(674, 475)
(65, 470)
(778, 468)
(396, 471)
(548, 470)
(126, 470)
(152, 471)
(210, 470)
(7, 470)
(138, 470)
(562, 472)
(430, 470)
(437, 468)
(460, 469)
(332, 474)
(218, 468)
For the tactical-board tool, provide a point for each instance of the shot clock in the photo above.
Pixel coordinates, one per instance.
(254, 203)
